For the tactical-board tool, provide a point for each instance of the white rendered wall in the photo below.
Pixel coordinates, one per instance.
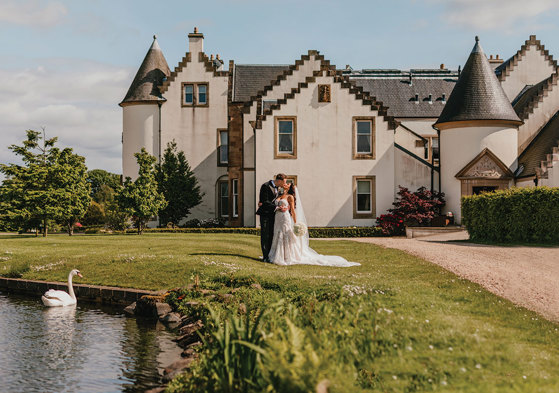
(324, 164)
(459, 146)
(291, 81)
(531, 69)
(140, 128)
(195, 129)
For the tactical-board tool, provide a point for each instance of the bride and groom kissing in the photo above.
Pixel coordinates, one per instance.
(283, 227)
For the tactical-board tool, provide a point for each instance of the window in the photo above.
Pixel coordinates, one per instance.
(435, 148)
(223, 148)
(202, 91)
(431, 149)
(363, 138)
(195, 94)
(235, 186)
(285, 137)
(223, 198)
(364, 197)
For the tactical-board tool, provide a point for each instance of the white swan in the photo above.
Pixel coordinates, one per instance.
(54, 298)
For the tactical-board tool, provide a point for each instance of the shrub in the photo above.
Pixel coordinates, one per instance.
(313, 232)
(513, 215)
(411, 209)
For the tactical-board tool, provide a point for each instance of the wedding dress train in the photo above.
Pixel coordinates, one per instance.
(289, 249)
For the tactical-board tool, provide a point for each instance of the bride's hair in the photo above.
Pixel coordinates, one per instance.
(291, 192)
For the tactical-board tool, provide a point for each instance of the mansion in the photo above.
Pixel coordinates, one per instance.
(347, 138)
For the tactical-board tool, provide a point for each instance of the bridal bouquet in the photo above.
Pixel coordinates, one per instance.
(299, 229)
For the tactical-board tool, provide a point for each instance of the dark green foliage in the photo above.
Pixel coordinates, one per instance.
(98, 177)
(140, 198)
(178, 185)
(313, 232)
(516, 215)
(95, 214)
(49, 187)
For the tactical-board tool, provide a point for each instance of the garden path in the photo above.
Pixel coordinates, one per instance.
(528, 276)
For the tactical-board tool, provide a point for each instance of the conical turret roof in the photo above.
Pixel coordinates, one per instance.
(145, 86)
(478, 95)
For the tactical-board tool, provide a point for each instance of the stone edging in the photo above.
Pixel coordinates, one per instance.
(95, 293)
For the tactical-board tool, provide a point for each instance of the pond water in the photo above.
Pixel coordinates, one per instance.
(87, 348)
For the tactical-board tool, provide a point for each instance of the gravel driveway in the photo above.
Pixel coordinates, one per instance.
(528, 276)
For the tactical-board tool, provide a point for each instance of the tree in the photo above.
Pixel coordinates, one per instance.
(95, 214)
(140, 198)
(178, 185)
(98, 178)
(50, 185)
(71, 182)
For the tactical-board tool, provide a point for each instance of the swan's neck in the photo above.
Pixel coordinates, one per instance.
(70, 287)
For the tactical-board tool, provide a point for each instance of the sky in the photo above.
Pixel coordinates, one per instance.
(65, 65)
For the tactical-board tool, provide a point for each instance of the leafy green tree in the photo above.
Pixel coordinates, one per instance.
(49, 186)
(178, 185)
(98, 178)
(95, 214)
(71, 182)
(140, 198)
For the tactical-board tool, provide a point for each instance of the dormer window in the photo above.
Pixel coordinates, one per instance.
(195, 94)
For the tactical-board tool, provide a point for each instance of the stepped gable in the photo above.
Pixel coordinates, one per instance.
(527, 100)
(283, 76)
(250, 79)
(504, 69)
(478, 95)
(338, 77)
(537, 152)
(150, 76)
(210, 65)
(399, 94)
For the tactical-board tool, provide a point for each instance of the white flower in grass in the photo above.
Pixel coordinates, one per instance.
(444, 383)
(426, 321)
(394, 377)
(524, 377)
(462, 369)
(450, 349)
(478, 366)
(431, 347)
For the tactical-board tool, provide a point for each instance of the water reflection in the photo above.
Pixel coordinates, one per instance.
(79, 348)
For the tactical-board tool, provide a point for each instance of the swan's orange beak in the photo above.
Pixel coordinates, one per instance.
(80, 275)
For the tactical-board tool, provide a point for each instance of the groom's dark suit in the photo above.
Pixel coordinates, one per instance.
(267, 211)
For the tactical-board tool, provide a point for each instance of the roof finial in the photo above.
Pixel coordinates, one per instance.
(477, 38)
(155, 36)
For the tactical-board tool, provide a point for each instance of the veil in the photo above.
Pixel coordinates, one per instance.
(309, 255)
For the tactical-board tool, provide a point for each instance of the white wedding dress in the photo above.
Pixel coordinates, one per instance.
(289, 249)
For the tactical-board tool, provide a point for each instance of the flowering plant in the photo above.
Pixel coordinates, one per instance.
(299, 229)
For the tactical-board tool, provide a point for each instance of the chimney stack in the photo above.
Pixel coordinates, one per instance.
(495, 61)
(195, 42)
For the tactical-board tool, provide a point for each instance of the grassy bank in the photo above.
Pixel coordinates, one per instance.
(396, 323)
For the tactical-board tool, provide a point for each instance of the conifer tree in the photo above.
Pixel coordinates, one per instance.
(140, 198)
(178, 185)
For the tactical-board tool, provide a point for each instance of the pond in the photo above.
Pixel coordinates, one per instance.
(87, 348)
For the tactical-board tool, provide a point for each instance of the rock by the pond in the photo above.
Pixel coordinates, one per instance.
(191, 328)
(156, 390)
(152, 306)
(162, 308)
(131, 309)
(176, 368)
(171, 318)
(187, 339)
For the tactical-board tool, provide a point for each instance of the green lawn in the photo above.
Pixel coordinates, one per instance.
(431, 330)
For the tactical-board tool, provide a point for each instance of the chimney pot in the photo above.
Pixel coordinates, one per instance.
(195, 30)
(442, 66)
(490, 57)
(211, 57)
(497, 57)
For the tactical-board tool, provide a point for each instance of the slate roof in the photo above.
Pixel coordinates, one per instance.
(399, 95)
(249, 79)
(478, 95)
(145, 86)
(537, 150)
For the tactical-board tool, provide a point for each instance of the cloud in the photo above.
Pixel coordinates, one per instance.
(33, 13)
(74, 100)
(503, 15)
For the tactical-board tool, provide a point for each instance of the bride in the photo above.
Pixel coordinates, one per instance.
(288, 248)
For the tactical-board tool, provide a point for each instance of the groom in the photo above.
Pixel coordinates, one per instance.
(269, 191)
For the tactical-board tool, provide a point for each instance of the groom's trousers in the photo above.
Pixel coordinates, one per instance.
(266, 233)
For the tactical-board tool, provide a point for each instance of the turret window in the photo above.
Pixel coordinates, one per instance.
(195, 94)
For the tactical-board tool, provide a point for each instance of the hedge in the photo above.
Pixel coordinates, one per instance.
(516, 215)
(313, 232)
